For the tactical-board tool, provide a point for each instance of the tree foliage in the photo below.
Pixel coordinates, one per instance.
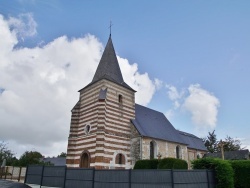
(30, 157)
(223, 170)
(27, 158)
(7, 154)
(63, 154)
(229, 143)
(211, 142)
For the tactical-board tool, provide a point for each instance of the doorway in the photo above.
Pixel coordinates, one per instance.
(85, 160)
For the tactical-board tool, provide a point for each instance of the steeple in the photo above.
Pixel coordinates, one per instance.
(108, 67)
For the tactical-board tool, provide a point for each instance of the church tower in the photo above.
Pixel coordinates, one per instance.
(100, 127)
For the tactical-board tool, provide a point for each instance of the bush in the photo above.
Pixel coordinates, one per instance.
(166, 163)
(241, 173)
(146, 164)
(223, 170)
(172, 163)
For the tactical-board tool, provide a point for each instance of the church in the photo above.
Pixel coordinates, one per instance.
(109, 130)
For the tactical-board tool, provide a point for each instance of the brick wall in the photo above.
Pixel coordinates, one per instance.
(110, 127)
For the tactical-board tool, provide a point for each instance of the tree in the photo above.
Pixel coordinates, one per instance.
(211, 142)
(7, 154)
(229, 143)
(63, 154)
(30, 157)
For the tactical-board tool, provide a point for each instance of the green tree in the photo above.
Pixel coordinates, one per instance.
(7, 154)
(63, 154)
(30, 157)
(231, 144)
(211, 142)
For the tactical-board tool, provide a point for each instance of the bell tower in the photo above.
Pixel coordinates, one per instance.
(100, 128)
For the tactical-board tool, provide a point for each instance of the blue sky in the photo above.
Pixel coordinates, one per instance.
(189, 59)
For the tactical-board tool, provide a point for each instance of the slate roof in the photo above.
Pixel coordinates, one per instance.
(231, 155)
(154, 124)
(193, 141)
(57, 161)
(108, 67)
(149, 123)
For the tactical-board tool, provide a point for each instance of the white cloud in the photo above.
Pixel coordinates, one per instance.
(23, 26)
(169, 114)
(245, 143)
(41, 83)
(144, 86)
(158, 83)
(201, 104)
(176, 97)
(173, 94)
(203, 107)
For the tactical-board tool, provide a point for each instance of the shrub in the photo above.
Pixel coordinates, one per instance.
(146, 164)
(241, 173)
(172, 163)
(223, 170)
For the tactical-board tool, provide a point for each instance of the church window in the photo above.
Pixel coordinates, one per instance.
(153, 151)
(178, 152)
(87, 129)
(120, 159)
(120, 99)
(199, 156)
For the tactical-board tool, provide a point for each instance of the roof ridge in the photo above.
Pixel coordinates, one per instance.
(188, 134)
(149, 108)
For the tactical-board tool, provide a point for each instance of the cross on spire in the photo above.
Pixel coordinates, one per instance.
(110, 25)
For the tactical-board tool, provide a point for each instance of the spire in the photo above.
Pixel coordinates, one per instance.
(108, 66)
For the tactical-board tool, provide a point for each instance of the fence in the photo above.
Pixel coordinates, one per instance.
(61, 176)
(13, 173)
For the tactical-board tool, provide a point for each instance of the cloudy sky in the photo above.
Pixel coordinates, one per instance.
(187, 59)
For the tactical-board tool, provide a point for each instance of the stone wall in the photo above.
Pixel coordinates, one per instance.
(194, 154)
(135, 145)
(163, 148)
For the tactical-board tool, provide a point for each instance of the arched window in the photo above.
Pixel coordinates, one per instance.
(85, 160)
(153, 151)
(178, 152)
(199, 156)
(119, 159)
(120, 99)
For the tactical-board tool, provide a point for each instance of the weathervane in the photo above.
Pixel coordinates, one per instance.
(110, 25)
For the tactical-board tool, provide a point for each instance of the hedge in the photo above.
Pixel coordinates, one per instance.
(241, 173)
(172, 163)
(146, 164)
(224, 173)
(166, 163)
